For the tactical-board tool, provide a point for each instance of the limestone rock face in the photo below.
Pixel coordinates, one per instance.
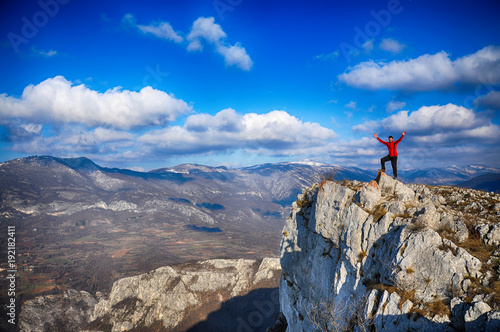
(167, 295)
(386, 256)
(45, 313)
(170, 298)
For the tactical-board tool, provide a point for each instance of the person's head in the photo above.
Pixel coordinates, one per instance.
(391, 138)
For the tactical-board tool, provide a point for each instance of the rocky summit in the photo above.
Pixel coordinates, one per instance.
(385, 256)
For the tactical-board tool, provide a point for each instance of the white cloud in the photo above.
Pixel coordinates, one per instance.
(368, 126)
(235, 55)
(270, 133)
(391, 45)
(487, 132)
(159, 29)
(111, 135)
(57, 100)
(204, 29)
(427, 72)
(226, 120)
(437, 136)
(394, 105)
(439, 124)
(162, 30)
(434, 118)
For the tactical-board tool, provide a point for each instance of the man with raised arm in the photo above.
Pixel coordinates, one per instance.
(393, 153)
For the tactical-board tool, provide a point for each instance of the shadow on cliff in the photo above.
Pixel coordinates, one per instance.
(253, 312)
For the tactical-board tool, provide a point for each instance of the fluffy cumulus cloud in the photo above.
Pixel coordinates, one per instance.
(59, 118)
(57, 100)
(427, 72)
(448, 124)
(205, 30)
(271, 133)
(235, 55)
(224, 121)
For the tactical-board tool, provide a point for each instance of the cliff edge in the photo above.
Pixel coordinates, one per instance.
(217, 294)
(384, 256)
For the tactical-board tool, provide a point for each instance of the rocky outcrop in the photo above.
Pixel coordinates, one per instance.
(54, 312)
(170, 298)
(389, 257)
(168, 295)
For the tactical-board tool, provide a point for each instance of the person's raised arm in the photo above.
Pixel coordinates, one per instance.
(399, 140)
(376, 136)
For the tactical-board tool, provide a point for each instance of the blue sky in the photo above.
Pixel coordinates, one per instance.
(237, 82)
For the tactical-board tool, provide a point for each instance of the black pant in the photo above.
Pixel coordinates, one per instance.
(394, 163)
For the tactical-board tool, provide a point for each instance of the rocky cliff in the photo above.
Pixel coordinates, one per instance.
(384, 256)
(201, 296)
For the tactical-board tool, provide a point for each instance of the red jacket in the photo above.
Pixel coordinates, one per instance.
(393, 151)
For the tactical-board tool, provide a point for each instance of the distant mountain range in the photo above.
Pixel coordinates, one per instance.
(190, 194)
(44, 185)
(41, 179)
(487, 182)
(65, 186)
(452, 175)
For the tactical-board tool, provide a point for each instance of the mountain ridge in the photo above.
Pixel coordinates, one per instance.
(432, 175)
